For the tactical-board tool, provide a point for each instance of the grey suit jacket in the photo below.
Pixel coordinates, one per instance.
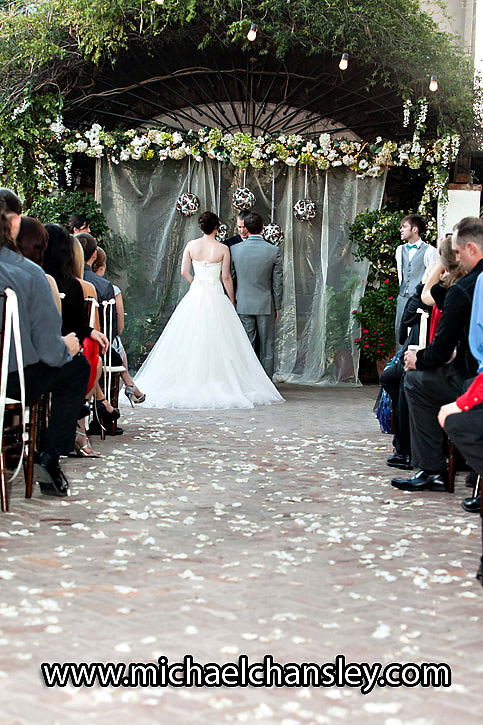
(259, 272)
(40, 322)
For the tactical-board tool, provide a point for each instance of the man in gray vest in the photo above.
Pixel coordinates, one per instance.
(258, 268)
(412, 259)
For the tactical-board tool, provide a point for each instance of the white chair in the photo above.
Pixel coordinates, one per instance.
(14, 435)
(111, 373)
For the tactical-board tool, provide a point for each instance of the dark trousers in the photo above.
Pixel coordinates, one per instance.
(466, 431)
(392, 380)
(68, 386)
(265, 326)
(426, 391)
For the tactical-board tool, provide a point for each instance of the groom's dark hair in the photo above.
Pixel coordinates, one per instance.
(254, 222)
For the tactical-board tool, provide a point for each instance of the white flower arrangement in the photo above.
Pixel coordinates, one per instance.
(19, 110)
(58, 127)
(407, 106)
(243, 150)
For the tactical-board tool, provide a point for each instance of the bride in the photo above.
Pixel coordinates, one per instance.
(203, 359)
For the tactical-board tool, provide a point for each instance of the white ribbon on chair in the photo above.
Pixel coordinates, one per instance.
(107, 305)
(12, 323)
(93, 303)
(423, 327)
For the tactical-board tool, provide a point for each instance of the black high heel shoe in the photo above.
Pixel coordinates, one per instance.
(104, 414)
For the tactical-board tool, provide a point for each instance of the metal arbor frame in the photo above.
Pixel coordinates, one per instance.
(235, 91)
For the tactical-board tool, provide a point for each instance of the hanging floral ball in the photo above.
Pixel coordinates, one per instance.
(187, 203)
(243, 198)
(273, 233)
(305, 209)
(222, 233)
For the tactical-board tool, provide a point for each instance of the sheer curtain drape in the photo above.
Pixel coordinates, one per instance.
(322, 282)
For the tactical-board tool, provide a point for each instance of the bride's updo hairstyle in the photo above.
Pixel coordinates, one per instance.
(208, 222)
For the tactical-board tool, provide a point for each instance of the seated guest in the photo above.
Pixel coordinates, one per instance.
(60, 262)
(32, 242)
(392, 380)
(105, 292)
(104, 288)
(445, 271)
(87, 287)
(131, 390)
(51, 362)
(466, 429)
(440, 277)
(435, 375)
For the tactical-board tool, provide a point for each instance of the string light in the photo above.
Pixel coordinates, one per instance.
(433, 85)
(252, 33)
(344, 61)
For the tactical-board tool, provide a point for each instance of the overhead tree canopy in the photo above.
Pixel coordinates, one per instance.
(48, 45)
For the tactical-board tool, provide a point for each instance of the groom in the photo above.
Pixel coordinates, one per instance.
(258, 268)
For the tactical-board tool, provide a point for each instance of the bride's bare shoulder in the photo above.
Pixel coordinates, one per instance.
(194, 242)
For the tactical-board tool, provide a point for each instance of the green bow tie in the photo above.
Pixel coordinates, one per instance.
(412, 246)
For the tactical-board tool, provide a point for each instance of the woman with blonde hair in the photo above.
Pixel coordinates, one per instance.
(442, 275)
(131, 391)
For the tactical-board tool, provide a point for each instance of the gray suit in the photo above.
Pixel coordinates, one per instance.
(259, 271)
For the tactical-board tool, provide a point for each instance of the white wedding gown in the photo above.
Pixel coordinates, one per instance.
(204, 359)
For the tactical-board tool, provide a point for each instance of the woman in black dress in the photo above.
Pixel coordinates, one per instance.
(59, 262)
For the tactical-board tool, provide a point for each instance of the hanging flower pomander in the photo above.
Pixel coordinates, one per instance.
(305, 209)
(243, 198)
(187, 203)
(273, 233)
(222, 233)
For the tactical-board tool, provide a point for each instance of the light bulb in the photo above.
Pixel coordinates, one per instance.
(252, 33)
(433, 86)
(344, 61)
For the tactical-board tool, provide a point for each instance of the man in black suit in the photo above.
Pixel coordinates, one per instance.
(431, 380)
(242, 230)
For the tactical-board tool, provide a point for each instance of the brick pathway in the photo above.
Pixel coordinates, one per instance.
(271, 531)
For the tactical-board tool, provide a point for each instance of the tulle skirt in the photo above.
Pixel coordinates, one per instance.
(204, 359)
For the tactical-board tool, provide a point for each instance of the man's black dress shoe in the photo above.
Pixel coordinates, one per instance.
(470, 479)
(398, 460)
(471, 504)
(50, 477)
(422, 481)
